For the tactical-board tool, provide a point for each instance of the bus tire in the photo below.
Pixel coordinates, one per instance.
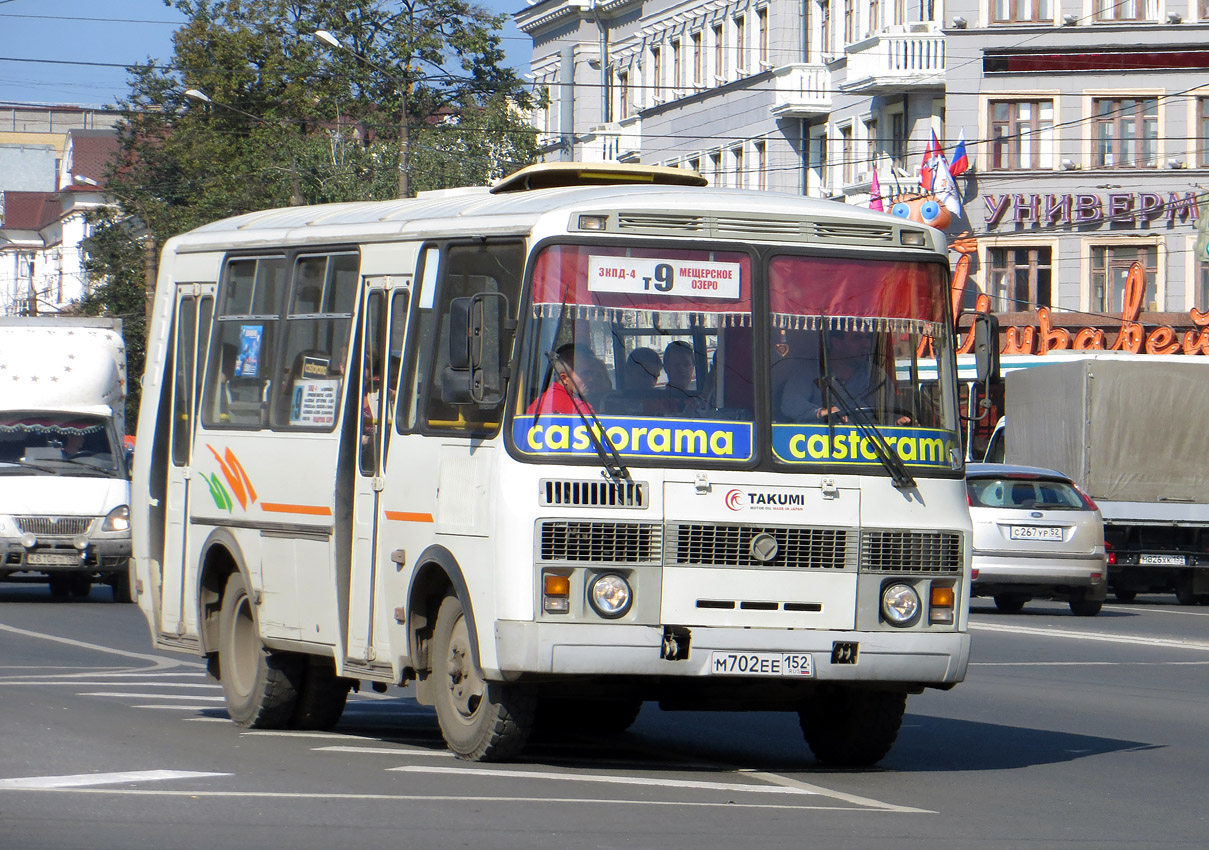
(119, 583)
(848, 727)
(1125, 595)
(323, 696)
(1010, 603)
(479, 720)
(260, 686)
(1085, 607)
(80, 584)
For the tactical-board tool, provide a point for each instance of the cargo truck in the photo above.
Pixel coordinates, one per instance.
(1130, 430)
(64, 487)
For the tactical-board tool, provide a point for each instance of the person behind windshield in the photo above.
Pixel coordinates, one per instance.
(852, 363)
(579, 376)
(642, 369)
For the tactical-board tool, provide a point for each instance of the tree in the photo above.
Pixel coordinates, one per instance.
(293, 120)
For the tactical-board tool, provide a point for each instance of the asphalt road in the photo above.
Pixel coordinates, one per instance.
(1068, 733)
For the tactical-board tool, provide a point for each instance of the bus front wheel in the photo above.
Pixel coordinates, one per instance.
(480, 720)
(260, 686)
(849, 727)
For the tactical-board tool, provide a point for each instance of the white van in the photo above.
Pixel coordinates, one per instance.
(64, 487)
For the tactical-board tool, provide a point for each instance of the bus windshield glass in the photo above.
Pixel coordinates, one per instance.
(655, 349)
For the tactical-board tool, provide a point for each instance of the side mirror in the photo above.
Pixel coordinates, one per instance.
(476, 373)
(986, 347)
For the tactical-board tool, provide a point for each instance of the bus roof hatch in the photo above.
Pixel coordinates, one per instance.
(551, 175)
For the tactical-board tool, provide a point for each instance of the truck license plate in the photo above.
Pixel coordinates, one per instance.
(56, 559)
(723, 663)
(1035, 532)
(1163, 560)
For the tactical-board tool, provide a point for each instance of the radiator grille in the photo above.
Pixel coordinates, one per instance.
(51, 526)
(600, 542)
(911, 551)
(595, 494)
(730, 546)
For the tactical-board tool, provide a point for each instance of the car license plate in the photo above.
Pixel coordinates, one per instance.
(723, 663)
(57, 559)
(1163, 560)
(1035, 532)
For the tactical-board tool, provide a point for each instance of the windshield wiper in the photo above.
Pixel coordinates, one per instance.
(889, 458)
(614, 467)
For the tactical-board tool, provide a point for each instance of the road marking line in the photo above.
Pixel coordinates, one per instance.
(44, 783)
(177, 707)
(789, 782)
(276, 733)
(78, 684)
(696, 784)
(153, 696)
(385, 751)
(1182, 610)
(156, 661)
(447, 798)
(1108, 637)
(1088, 663)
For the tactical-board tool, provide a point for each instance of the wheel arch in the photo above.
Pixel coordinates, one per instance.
(437, 572)
(220, 557)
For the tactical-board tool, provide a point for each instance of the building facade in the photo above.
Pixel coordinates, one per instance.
(800, 96)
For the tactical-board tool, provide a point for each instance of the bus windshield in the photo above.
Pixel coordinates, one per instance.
(658, 349)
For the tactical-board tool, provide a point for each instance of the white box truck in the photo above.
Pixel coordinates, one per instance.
(64, 486)
(1130, 430)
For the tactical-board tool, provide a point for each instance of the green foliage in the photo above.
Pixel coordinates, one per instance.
(291, 119)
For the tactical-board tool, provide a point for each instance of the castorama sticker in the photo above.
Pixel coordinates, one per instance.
(634, 437)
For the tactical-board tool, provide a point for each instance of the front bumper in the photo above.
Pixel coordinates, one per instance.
(913, 658)
(996, 572)
(101, 555)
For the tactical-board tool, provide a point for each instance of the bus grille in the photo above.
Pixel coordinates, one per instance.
(911, 552)
(594, 494)
(730, 546)
(51, 526)
(600, 542)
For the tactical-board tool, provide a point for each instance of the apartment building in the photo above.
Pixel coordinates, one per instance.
(800, 96)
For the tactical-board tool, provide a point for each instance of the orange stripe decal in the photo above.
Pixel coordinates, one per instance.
(309, 510)
(408, 516)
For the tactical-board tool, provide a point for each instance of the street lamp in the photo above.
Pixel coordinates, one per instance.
(296, 198)
(404, 121)
(150, 256)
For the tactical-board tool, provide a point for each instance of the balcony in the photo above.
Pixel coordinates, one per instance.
(895, 61)
(619, 141)
(801, 91)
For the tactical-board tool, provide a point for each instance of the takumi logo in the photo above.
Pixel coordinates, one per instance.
(765, 500)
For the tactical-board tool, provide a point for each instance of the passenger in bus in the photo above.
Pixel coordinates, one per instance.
(642, 370)
(578, 378)
(852, 361)
(680, 369)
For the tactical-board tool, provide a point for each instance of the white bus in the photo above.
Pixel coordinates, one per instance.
(594, 437)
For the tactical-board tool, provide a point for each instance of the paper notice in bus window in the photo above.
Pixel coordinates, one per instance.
(314, 402)
(678, 278)
(247, 362)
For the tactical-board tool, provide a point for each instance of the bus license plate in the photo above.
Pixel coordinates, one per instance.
(1163, 560)
(723, 663)
(1036, 532)
(56, 559)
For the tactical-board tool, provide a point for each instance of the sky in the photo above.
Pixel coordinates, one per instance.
(62, 52)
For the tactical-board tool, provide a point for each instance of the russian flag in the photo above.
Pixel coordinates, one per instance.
(960, 161)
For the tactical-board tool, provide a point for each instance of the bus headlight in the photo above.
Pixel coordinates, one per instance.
(610, 596)
(900, 605)
(118, 519)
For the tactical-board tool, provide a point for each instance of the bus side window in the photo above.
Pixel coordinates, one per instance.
(239, 374)
(467, 270)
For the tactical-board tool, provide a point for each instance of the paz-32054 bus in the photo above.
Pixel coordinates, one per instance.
(591, 438)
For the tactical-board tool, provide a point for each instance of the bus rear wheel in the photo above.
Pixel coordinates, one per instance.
(480, 720)
(260, 686)
(848, 727)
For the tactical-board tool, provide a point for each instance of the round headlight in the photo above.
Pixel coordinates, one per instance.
(900, 605)
(610, 595)
(117, 520)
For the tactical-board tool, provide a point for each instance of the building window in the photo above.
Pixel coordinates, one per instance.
(657, 74)
(1022, 134)
(1202, 140)
(1020, 278)
(898, 140)
(872, 143)
(740, 176)
(698, 61)
(847, 155)
(1109, 269)
(717, 178)
(694, 164)
(900, 11)
(623, 95)
(1127, 10)
(1202, 286)
(677, 68)
(719, 54)
(875, 11)
(762, 37)
(849, 21)
(1021, 11)
(741, 44)
(1126, 132)
(825, 29)
(761, 165)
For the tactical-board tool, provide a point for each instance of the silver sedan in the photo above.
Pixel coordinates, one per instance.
(1036, 536)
